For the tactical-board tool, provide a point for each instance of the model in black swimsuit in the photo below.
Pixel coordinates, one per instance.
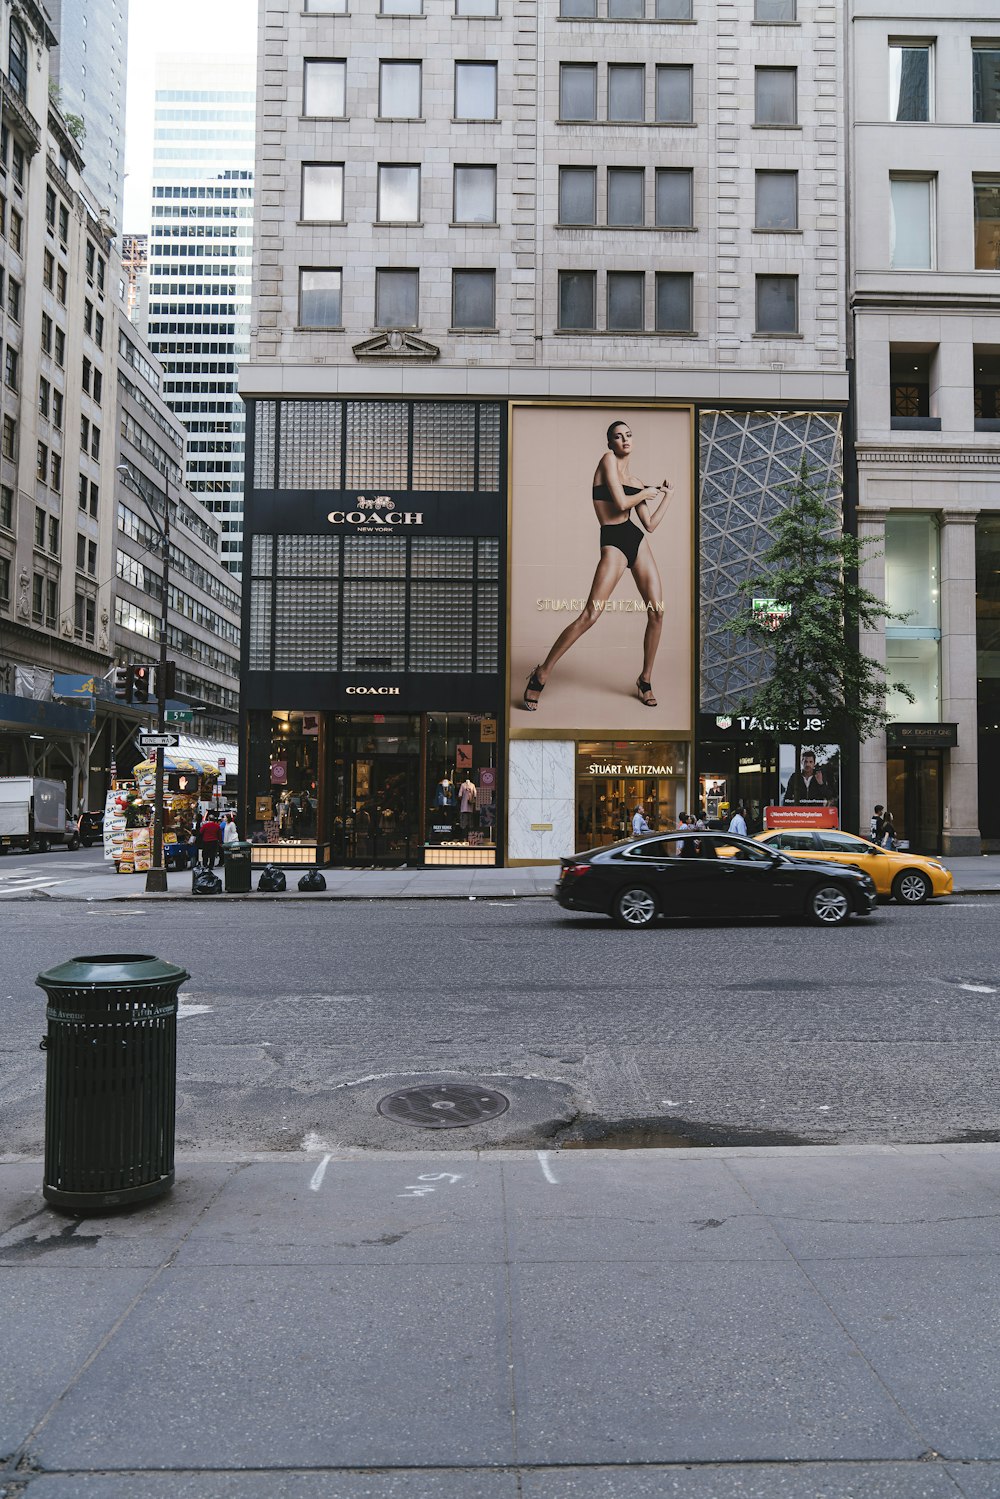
(625, 535)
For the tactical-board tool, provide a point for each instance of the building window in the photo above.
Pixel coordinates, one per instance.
(61, 281)
(54, 535)
(6, 506)
(986, 208)
(42, 462)
(16, 226)
(82, 494)
(39, 528)
(55, 468)
(402, 7)
(577, 10)
(399, 90)
(674, 10)
(44, 398)
(774, 10)
(475, 195)
(777, 304)
(398, 194)
(674, 198)
(626, 196)
(578, 195)
(14, 299)
(473, 299)
(674, 95)
(986, 365)
(775, 96)
(911, 239)
(777, 200)
(37, 599)
(626, 92)
(59, 348)
(626, 298)
(577, 91)
(325, 7)
(475, 7)
(909, 81)
(10, 372)
(4, 582)
(475, 90)
(674, 302)
(626, 10)
(50, 208)
(57, 410)
(48, 269)
(63, 224)
(577, 299)
(322, 192)
(320, 298)
(986, 84)
(17, 59)
(324, 89)
(397, 299)
(8, 440)
(910, 368)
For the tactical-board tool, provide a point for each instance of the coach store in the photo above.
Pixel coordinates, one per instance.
(372, 682)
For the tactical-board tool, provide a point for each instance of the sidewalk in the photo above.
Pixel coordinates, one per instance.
(726, 1324)
(973, 876)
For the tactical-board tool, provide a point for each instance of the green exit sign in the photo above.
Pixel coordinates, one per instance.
(179, 715)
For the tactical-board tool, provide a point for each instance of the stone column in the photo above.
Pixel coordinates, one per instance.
(958, 681)
(871, 765)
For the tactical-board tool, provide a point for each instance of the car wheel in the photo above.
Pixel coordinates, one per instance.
(634, 907)
(38, 846)
(911, 887)
(73, 844)
(829, 905)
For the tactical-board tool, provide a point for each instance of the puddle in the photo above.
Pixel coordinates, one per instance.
(670, 1133)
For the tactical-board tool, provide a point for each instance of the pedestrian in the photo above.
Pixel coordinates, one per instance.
(230, 833)
(738, 825)
(888, 839)
(211, 840)
(639, 823)
(877, 828)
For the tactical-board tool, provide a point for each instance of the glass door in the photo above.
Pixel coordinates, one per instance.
(914, 797)
(375, 780)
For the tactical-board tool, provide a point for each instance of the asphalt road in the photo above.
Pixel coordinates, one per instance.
(298, 1019)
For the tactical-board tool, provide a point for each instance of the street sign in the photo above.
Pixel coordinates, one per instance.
(159, 741)
(179, 715)
(222, 762)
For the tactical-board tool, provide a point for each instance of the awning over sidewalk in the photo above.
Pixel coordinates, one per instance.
(200, 757)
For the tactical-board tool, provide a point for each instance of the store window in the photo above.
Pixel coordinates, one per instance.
(284, 786)
(612, 779)
(461, 789)
(912, 588)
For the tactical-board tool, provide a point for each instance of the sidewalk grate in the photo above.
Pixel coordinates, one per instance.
(443, 1105)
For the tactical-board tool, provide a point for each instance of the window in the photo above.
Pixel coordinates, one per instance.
(398, 194)
(51, 603)
(626, 10)
(674, 299)
(473, 299)
(325, 7)
(50, 208)
(986, 364)
(94, 498)
(475, 195)
(16, 226)
(57, 409)
(577, 91)
(402, 7)
(626, 196)
(87, 371)
(99, 329)
(910, 237)
(14, 299)
(10, 368)
(674, 10)
(37, 599)
(577, 299)
(60, 347)
(63, 223)
(17, 163)
(777, 304)
(399, 90)
(986, 209)
(90, 259)
(46, 333)
(92, 558)
(84, 433)
(475, 7)
(775, 96)
(320, 298)
(17, 59)
(95, 441)
(774, 10)
(40, 518)
(626, 91)
(578, 195)
(82, 493)
(44, 398)
(674, 95)
(4, 578)
(674, 198)
(577, 10)
(61, 284)
(986, 84)
(324, 89)
(54, 534)
(8, 439)
(910, 369)
(397, 299)
(81, 552)
(98, 387)
(475, 90)
(6, 506)
(322, 192)
(48, 269)
(777, 200)
(626, 296)
(42, 462)
(55, 471)
(88, 317)
(909, 81)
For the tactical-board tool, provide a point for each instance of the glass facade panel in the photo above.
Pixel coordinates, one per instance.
(917, 663)
(909, 82)
(912, 575)
(986, 200)
(986, 85)
(285, 784)
(462, 787)
(613, 778)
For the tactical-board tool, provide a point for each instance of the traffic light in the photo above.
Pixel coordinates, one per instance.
(142, 683)
(123, 684)
(168, 686)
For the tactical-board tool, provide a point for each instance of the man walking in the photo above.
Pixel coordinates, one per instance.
(739, 822)
(211, 840)
(877, 828)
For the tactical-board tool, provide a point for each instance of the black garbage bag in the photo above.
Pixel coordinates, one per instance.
(272, 880)
(312, 881)
(205, 881)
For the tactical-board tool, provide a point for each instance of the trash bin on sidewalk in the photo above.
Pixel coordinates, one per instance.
(110, 1080)
(236, 858)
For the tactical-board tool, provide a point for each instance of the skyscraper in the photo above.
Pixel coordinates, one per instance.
(89, 68)
(199, 267)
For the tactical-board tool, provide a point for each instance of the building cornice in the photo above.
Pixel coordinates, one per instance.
(923, 300)
(954, 457)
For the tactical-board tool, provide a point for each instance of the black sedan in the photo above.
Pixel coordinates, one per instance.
(709, 875)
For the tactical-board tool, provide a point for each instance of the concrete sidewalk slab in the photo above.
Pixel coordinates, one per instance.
(715, 1324)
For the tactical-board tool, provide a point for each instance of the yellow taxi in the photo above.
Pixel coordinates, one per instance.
(908, 878)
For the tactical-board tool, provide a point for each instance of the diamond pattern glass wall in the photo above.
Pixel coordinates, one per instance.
(746, 460)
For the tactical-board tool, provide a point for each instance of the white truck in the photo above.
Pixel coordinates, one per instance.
(33, 815)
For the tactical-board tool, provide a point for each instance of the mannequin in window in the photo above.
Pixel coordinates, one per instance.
(444, 794)
(467, 797)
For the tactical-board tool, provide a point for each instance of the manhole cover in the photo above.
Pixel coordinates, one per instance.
(443, 1105)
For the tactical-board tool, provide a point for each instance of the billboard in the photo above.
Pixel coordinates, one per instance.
(601, 569)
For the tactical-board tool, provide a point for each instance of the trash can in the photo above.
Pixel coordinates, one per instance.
(236, 858)
(110, 1080)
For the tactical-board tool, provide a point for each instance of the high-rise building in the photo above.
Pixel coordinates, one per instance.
(88, 67)
(135, 263)
(199, 258)
(490, 238)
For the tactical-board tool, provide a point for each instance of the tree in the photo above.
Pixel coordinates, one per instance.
(809, 610)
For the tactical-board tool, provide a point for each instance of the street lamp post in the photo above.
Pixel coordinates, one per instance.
(156, 876)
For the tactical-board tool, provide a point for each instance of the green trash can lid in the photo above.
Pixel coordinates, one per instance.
(112, 971)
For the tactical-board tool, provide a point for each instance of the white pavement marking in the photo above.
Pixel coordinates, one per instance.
(312, 1141)
(547, 1172)
(978, 988)
(316, 1180)
(183, 1010)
